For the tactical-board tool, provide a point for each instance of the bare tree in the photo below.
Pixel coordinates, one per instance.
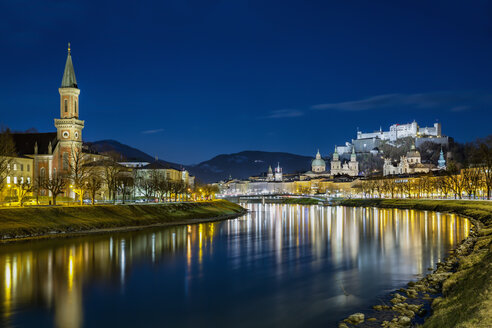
(455, 180)
(148, 184)
(78, 171)
(443, 185)
(56, 185)
(483, 159)
(111, 172)
(7, 152)
(24, 188)
(210, 190)
(428, 185)
(93, 184)
(389, 187)
(472, 180)
(163, 188)
(37, 186)
(124, 183)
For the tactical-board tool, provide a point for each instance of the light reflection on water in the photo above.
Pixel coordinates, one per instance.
(278, 265)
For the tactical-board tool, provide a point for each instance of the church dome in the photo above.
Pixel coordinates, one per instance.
(413, 152)
(318, 164)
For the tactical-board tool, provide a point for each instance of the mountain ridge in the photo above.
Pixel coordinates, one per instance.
(240, 165)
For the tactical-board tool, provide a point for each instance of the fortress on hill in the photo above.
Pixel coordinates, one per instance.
(369, 142)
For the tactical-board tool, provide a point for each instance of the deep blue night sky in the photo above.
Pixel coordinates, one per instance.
(189, 79)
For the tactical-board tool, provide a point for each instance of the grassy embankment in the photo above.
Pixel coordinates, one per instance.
(467, 292)
(29, 222)
(300, 201)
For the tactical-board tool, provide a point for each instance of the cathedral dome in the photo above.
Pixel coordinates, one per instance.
(318, 164)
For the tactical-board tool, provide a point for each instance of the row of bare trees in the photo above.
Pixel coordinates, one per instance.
(157, 186)
(88, 176)
(470, 183)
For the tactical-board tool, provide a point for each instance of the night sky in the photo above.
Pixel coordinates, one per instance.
(188, 80)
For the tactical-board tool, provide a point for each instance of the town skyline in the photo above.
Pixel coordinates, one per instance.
(316, 82)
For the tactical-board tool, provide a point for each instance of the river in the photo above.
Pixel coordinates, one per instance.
(277, 266)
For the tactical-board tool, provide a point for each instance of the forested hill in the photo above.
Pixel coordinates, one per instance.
(238, 165)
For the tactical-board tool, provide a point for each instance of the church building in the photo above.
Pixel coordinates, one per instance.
(52, 152)
(350, 168)
(411, 163)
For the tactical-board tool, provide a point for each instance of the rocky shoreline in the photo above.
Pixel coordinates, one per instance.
(415, 305)
(409, 304)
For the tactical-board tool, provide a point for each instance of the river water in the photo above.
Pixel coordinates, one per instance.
(277, 266)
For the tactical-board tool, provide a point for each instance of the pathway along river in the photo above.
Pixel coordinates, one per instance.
(279, 265)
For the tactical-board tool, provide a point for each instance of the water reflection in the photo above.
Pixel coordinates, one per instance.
(270, 264)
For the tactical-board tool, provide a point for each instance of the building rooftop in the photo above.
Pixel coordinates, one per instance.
(25, 142)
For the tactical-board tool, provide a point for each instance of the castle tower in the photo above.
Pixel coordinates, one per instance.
(68, 126)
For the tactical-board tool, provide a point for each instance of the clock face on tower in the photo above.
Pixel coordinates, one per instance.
(66, 134)
(76, 134)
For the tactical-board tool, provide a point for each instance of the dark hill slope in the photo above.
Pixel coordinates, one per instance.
(238, 165)
(248, 163)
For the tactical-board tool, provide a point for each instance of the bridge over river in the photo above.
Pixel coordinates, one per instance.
(273, 198)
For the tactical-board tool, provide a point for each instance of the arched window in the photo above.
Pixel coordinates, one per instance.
(75, 107)
(66, 105)
(54, 172)
(42, 173)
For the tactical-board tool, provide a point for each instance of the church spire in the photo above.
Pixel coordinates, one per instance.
(441, 163)
(353, 156)
(335, 154)
(69, 80)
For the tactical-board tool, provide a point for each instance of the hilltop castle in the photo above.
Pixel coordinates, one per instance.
(371, 141)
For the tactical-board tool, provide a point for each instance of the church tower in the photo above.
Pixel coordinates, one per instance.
(278, 173)
(336, 165)
(68, 126)
(270, 176)
(353, 164)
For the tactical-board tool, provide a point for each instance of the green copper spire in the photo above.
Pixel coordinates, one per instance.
(69, 80)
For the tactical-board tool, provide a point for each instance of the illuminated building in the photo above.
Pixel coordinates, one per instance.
(350, 168)
(409, 164)
(370, 142)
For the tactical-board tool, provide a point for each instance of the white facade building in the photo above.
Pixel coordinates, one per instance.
(398, 131)
(409, 164)
(350, 168)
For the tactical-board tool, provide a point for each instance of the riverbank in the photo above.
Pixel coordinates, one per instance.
(460, 289)
(26, 223)
(300, 201)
